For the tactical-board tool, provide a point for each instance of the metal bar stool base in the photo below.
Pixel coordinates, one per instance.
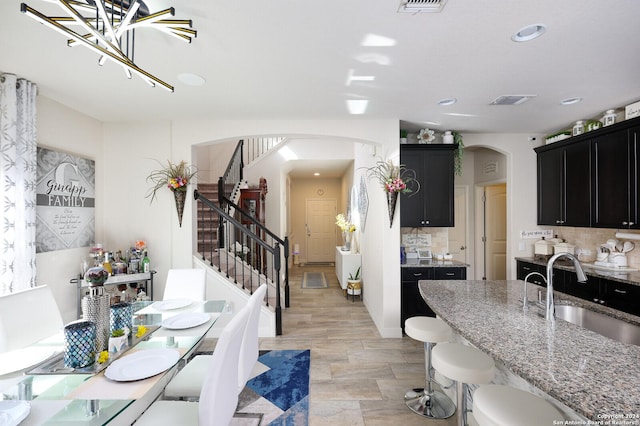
(435, 405)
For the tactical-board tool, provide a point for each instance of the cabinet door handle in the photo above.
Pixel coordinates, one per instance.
(450, 274)
(617, 290)
(558, 221)
(625, 223)
(631, 223)
(417, 275)
(526, 268)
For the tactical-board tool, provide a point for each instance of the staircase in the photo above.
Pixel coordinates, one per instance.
(271, 253)
(207, 230)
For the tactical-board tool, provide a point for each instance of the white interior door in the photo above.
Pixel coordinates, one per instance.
(458, 234)
(496, 231)
(321, 230)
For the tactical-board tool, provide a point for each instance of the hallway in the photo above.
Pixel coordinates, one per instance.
(357, 377)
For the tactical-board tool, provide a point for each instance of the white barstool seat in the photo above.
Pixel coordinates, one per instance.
(497, 405)
(430, 403)
(465, 365)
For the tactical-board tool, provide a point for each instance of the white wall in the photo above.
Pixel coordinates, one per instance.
(63, 129)
(521, 188)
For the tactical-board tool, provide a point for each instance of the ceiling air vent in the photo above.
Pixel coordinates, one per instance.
(511, 99)
(421, 6)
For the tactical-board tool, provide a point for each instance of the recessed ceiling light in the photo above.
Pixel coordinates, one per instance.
(447, 102)
(529, 32)
(357, 106)
(374, 40)
(570, 101)
(191, 79)
(316, 174)
(351, 77)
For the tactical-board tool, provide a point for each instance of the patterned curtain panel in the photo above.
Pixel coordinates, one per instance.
(18, 163)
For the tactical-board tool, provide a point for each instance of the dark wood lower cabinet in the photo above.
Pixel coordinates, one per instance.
(616, 295)
(411, 302)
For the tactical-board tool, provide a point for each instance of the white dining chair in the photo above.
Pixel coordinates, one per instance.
(28, 316)
(218, 397)
(185, 284)
(188, 382)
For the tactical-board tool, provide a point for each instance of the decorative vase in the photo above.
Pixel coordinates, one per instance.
(346, 235)
(392, 199)
(180, 197)
(95, 308)
(447, 137)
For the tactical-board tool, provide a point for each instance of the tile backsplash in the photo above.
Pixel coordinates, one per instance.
(439, 237)
(592, 238)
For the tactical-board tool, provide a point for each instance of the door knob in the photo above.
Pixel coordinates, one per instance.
(463, 247)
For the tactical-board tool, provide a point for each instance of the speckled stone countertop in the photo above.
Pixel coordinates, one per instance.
(591, 374)
(433, 263)
(631, 277)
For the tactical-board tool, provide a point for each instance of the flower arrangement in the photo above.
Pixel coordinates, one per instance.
(176, 177)
(394, 178)
(344, 224)
(426, 136)
(141, 331)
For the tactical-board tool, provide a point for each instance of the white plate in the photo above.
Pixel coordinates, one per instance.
(185, 320)
(167, 305)
(13, 412)
(142, 364)
(22, 359)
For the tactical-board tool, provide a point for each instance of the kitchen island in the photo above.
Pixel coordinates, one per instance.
(596, 377)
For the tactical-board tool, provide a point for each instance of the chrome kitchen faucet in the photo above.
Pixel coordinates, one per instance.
(550, 314)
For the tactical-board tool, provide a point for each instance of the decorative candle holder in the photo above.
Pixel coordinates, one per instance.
(79, 344)
(121, 317)
(95, 308)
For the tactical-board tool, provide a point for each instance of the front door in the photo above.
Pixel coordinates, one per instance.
(321, 230)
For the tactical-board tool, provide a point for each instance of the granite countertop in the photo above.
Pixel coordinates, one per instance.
(632, 278)
(591, 374)
(433, 263)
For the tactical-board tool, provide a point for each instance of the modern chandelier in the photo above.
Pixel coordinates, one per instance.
(108, 28)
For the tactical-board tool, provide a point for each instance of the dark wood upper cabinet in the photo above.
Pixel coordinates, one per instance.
(591, 180)
(564, 186)
(433, 204)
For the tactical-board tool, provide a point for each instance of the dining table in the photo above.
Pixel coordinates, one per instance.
(117, 391)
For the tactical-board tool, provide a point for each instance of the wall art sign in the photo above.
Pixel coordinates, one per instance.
(65, 201)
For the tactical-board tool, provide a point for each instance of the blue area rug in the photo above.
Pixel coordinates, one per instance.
(280, 394)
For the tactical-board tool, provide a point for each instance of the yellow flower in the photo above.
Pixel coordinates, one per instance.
(141, 331)
(104, 357)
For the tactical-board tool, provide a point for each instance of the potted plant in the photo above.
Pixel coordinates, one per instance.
(354, 283)
(403, 136)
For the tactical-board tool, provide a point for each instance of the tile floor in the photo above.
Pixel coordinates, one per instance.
(357, 377)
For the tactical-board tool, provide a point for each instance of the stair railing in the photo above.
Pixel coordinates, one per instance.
(246, 257)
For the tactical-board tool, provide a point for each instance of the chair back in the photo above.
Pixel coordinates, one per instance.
(185, 284)
(249, 351)
(27, 317)
(219, 396)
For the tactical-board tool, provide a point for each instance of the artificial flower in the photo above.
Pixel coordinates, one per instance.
(141, 331)
(103, 357)
(344, 224)
(394, 178)
(176, 177)
(426, 135)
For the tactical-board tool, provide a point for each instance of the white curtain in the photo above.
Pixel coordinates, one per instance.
(18, 164)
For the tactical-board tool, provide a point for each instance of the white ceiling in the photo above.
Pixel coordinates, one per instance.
(290, 59)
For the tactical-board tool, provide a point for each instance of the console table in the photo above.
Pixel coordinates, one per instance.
(346, 263)
(83, 286)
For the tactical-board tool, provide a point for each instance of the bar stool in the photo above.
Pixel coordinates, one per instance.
(504, 405)
(431, 403)
(465, 365)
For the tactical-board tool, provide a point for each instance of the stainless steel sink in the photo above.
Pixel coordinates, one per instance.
(607, 326)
